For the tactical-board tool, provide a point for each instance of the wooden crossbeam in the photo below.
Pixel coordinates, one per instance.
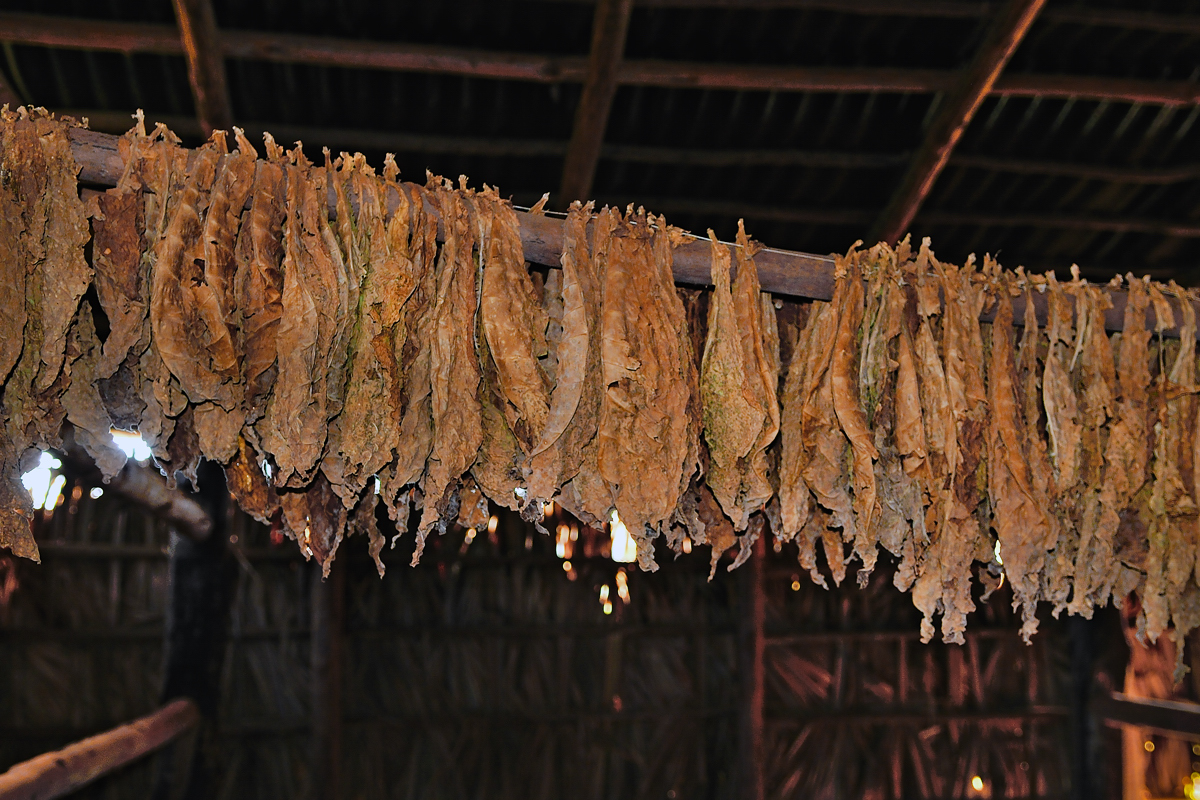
(206, 63)
(957, 109)
(66, 32)
(802, 275)
(609, 28)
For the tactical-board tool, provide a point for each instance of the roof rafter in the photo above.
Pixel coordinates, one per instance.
(206, 63)
(72, 33)
(957, 109)
(609, 28)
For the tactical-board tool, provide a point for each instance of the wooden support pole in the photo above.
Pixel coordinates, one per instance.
(802, 275)
(75, 766)
(197, 621)
(609, 28)
(123, 37)
(751, 646)
(328, 613)
(206, 63)
(1003, 37)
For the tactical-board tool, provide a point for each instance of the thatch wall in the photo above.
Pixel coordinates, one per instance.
(488, 672)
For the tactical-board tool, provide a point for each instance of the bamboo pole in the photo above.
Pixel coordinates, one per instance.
(63, 771)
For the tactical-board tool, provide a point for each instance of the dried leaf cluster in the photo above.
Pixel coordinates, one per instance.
(399, 351)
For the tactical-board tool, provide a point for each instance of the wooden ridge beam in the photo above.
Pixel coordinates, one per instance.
(64, 771)
(124, 37)
(609, 29)
(957, 108)
(800, 275)
(206, 63)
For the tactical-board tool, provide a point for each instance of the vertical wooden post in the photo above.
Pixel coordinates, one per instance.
(328, 612)
(751, 644)
(1084, 764)
(196, 628)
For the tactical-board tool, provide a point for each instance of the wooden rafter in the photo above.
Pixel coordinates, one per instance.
(206, 63)
(1003, 37)
(609, 28)
(65, 32)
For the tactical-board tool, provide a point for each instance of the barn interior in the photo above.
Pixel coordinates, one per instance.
(523, 657)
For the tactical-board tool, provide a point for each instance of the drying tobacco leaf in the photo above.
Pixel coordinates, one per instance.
(733, 415)
(258, 281)
(572, 416)
(822, 440)
(1018, 512)
(956, 408)
(45, 276)
(572, 460)
(454, 367)
(1101, 516)
(513, 321)
(365, 435)
(249, 485)
(81, 401)
(413, 232)
(315, 300)
(316, 519)
(646, 437)
(795, 499)
(759, 332)
(887, 368)
(848, 301)
(189, 330)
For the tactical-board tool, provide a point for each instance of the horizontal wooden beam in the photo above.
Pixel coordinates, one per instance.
(1168, 717)
(125, 37)
(64, 771)
(801, 275)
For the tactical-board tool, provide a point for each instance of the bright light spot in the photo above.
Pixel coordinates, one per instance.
(547, 508)
(1149, 745)
(566, 566)
(378, 486)
(977, 783)
(795, 585)
(574, 533)
(624, 548)
(999, 560)
(604, 593)
(623, 586)
(607, 607)
(687, 544)
(520, 492)
(562, 541)
(493, 522)
(96, 493)
(132, 445)
(560, 550)
(471, 535)
(43, 485)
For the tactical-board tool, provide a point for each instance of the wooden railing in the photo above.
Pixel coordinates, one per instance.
(63, 771)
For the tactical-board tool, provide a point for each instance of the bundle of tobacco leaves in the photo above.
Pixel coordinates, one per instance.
(339, 340)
